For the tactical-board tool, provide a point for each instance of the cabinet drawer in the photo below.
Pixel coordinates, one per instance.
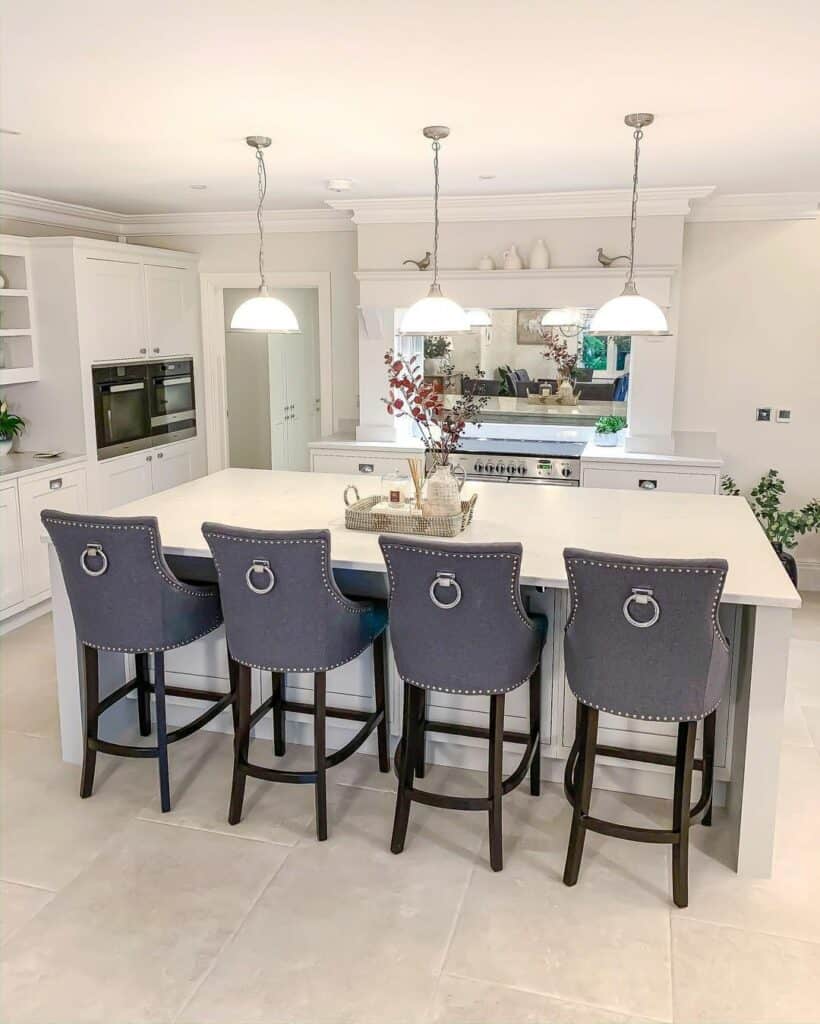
(360, 464)
(61, 490)
(649, 478)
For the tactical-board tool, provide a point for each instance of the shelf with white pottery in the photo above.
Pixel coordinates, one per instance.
(18, 340)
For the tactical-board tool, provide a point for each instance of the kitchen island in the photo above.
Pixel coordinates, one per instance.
(755, 613)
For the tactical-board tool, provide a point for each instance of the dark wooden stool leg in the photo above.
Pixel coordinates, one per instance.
(92, 716)
(407, 763)
(319, 729)
(278, 683)
(162, 732)
(421, 735)
(683, 794)
(241, 743)
(535, 727)
(143, 694)
(233, 685)
(494, 780)
(379, 658)
(709, 762)
(588, 736)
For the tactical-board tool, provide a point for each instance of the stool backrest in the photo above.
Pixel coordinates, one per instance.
(457, 622)
(123, 595)
(643, 638)
(283, 610)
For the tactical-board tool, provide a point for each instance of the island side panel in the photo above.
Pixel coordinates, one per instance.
(759, 711)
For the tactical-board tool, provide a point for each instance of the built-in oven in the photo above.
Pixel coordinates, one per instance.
(121, 410)
(172, 400)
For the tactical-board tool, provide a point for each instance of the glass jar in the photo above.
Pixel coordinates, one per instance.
(396, 490)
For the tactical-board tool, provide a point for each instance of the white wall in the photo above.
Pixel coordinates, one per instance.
(749, 336)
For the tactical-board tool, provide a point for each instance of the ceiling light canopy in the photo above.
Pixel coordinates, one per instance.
(630, 313)
(435, 314)
(263, 312)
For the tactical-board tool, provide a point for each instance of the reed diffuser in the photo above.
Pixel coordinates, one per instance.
(417, 474)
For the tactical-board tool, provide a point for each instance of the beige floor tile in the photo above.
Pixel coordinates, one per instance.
(18, 904)
(604, 942)
(812, 717)
(132, 936)
(796, 732)
(47, 833)
(803, 686)
(201, 768)
(28, 680)
(728, 975)
(806, 620)
(467, 1001)
(348, 932)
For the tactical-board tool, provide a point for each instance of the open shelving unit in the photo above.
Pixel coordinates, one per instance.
(19, 361)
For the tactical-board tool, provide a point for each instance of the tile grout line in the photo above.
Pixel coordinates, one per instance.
(672, 965)
(210, 969)
(748, 931)
(216, 832)
(28, 885)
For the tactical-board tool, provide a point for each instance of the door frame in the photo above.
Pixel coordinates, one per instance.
(212, 287)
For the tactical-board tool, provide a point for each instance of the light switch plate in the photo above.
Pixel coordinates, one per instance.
(764, 415)
(784, 416)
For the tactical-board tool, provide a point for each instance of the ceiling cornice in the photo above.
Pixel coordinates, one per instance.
(654, 202)
(757, 206)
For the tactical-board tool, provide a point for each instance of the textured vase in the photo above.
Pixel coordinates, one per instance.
(443, 497)
(539, 256)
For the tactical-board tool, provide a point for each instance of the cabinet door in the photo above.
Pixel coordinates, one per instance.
(172, 466)
(170, 302)
(112, 312)
(124, 479)
(11, 552)
(279, 407)
(62, 491)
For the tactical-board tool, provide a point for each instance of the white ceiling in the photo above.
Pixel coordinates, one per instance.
(123, 106)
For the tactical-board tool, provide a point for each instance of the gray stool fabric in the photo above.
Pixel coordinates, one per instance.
(123, 595)
(457, 622)
(283, 609)
(673, 669)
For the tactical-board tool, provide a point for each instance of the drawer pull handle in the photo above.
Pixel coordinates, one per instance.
(648, 485)
(366, 467)
(56, 484)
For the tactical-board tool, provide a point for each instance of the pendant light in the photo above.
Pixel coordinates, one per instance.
(263, 312)
(435, 314)
(479, 318)
(630, 313)
(568, 320)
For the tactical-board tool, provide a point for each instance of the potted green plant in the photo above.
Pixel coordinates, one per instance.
(11, 426)
(607, 430)
(436, 348)
(782, 527)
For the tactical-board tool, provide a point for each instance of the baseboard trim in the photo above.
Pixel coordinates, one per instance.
(808, 573)
(26, 615)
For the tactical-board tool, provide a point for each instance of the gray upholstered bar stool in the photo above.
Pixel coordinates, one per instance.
(285, 613)
(458, 625)
(643, 641)
(124, 597)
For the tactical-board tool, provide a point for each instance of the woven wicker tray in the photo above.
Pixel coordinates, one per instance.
(358, 516)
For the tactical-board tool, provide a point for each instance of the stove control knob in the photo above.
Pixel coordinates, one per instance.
(477, 467)
(499, 468)
(522, 470)
(510, 470)
(566, 471)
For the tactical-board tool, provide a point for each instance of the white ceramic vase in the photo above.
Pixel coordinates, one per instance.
(512, 259)
(486, 263)
(443, 493)
(605, 440)
(539, 256)
(5, 445)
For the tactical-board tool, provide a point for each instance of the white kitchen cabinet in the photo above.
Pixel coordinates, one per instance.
(11, 549)
(113, 309)
(171, 309)
(131, 477)
(649, 477)
(63, 491)
(294, 404)
(359, 463)
(173, 465)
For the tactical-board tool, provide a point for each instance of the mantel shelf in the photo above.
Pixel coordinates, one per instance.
(14, 292)
(553, 274)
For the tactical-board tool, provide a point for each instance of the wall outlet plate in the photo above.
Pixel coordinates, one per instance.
(784, 416)
(764, 415)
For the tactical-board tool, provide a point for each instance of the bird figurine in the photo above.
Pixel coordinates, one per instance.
(422, 264)
(607, 261)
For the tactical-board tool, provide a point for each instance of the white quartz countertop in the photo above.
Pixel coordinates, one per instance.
(692, 448)
(544, 519)
(23, 464)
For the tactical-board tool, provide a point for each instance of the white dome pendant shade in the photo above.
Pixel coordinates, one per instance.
(567, 316)
(435, 314)
(631, 313)
(479, 318)
(263, 312)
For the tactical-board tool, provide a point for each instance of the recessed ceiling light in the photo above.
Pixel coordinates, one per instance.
(199, 188)
(9, 131)
(486, 177)
(339, 184)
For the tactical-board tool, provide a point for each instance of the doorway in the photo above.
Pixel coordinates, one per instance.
(272, 386)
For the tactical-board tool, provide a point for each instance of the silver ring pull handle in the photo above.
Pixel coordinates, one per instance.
(94, 551)
(445, 579)
(642, 596)
(260, 567)
(355, 489)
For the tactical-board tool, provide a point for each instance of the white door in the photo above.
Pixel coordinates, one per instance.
(172, 466)
(279, 406)
(11, 552)
(64, 492)
(113, 311)
(123, 479)
(302, 381)
(170, 304)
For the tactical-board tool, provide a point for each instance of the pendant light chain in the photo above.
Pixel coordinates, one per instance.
(633, 226)
(262, 179)
(436, 148)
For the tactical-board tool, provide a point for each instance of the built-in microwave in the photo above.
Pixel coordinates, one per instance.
(172, 400)
(121, 409)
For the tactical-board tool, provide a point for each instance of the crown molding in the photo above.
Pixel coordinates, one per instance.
(756, 206)
(37, 210)
(654, 202)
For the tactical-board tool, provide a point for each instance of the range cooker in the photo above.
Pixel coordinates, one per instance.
(506, 461)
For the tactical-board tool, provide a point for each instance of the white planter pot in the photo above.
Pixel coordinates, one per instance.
(605, 440)
(432, 367)
(622, 436)
(5, 445)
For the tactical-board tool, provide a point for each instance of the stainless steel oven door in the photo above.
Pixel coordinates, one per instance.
(173, 406)
(121, 418)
